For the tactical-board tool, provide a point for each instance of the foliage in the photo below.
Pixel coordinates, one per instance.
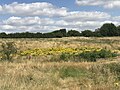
(55, 34)
(73, 33)
(65, 56)
(108, 29)
(118, 29)
(87, 33)
(96, 54)
(70, 54)
(59, 33)
(8, 50)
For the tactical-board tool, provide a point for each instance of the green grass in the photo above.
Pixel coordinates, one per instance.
(73, 72)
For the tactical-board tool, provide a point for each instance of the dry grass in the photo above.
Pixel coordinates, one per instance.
(32, 74)
(47, 76)
(109, 42)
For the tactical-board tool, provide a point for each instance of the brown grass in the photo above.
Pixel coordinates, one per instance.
(23, 74)
(46, 76)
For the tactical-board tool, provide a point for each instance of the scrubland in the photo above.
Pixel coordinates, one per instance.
(69, 63)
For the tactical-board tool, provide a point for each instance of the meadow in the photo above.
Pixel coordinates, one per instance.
(68, 63)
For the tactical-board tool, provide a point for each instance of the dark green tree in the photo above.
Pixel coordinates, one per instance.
(87, 33)
(73, 33)
(108, 29)
(3, 34)
(59, 33)
(118, 28)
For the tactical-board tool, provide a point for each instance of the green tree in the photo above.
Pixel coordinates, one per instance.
(3, 34)
(59, 33)
(108, 29)
(87, 33)
(73, 33)
(118, 28)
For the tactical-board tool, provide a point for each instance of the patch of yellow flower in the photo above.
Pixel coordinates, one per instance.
(59, 50)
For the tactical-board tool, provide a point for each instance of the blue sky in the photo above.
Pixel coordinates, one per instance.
(49, 15)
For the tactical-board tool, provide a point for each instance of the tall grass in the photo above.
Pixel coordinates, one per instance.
(43, 73)
(58, 76)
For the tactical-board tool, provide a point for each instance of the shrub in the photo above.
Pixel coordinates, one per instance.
(94, 55)
(87, 55)
(8, 50)
(65, 56)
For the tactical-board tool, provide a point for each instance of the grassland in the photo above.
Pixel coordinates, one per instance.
(39, 73)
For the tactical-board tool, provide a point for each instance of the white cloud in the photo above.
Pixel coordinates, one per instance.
(0, 8)
(116, 18)
(28, 21)
(86, 16)
(44, 17)
(32, 24)
(104, 3)
(74, 20)
(33, 9)
(90, 2)
(112, 4)
(7, 27)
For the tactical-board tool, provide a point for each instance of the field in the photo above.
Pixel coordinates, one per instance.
(69, 63)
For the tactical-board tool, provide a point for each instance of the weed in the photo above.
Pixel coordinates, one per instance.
(8, 51)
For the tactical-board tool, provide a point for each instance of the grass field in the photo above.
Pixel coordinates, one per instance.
(48, 72)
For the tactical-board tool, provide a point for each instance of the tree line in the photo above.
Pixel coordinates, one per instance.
(107, 29)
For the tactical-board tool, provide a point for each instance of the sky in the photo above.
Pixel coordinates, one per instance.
(49, 15)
